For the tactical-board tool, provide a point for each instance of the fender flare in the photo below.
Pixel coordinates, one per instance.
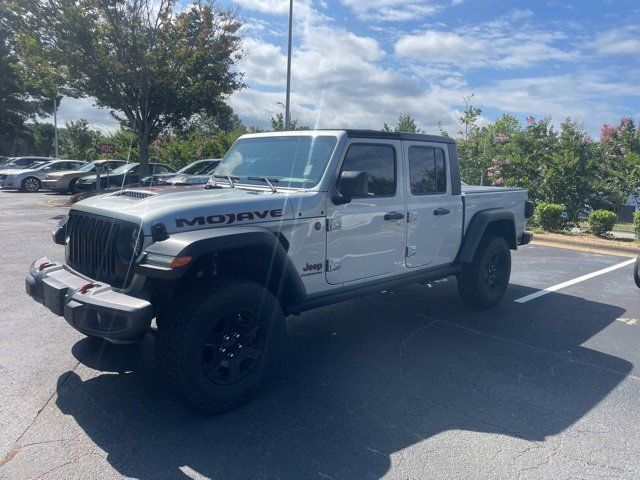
(477, 227)
(197, 243)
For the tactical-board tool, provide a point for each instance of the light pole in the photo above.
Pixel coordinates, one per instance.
(287, 109)
(55, 122)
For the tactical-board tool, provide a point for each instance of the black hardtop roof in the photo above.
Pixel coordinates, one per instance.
(418, 137)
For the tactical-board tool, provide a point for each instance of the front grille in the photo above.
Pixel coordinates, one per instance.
(93, 247)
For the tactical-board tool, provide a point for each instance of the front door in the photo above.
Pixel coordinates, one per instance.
(434, 215)
(366, 237)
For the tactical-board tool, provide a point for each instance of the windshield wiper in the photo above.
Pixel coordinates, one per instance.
(268, 181)
(228, 178)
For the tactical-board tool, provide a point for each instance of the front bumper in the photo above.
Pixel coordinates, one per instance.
(51, 185)
(98, 310)
(85, 187)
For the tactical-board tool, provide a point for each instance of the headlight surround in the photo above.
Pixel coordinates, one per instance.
(129, 244)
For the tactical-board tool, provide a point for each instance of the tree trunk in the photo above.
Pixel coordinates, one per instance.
(144, 151)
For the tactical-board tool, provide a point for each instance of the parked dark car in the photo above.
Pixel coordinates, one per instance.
(185, 174)
(125, 175)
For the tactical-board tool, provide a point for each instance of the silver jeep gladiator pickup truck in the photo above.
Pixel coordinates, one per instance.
(290, 222)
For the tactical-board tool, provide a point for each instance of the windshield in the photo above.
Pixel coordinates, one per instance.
(194, 168)
(33, 166)
(294, 161)
(88, 167)
(123, 168)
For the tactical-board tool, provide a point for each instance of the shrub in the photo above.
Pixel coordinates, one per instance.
(601, 221)
(551, 216)
(636, 223)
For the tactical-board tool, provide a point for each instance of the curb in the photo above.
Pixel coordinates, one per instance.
(627, 251)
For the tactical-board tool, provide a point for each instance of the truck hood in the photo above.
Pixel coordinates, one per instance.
(184, 209)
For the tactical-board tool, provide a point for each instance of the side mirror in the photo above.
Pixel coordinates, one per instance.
(351, 184)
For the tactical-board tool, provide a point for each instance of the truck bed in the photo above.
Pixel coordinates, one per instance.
(479, 197)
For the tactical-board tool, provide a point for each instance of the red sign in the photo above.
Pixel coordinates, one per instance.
(107, 148)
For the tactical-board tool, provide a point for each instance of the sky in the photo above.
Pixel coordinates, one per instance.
(361, 63)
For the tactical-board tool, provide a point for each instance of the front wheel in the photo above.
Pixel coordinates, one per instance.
(73, 187)
(30, 184)
(218, 346)
(482, 283)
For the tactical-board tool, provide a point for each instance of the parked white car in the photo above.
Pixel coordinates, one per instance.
(29, 179)
(23, 162)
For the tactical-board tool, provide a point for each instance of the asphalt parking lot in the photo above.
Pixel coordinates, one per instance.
(406, 384)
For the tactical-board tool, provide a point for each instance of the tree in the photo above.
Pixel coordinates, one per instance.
(469, 117)
(78, 141)
(406, 123)
(152, 64)
(19, 101)
(277, 124)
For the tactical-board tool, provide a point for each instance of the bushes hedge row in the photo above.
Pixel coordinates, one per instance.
(601, 221)
(551, 216)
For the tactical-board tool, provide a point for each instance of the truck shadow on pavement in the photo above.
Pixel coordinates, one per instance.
(359, 383)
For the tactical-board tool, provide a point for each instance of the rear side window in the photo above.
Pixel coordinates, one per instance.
(379, 161)
(427, 171)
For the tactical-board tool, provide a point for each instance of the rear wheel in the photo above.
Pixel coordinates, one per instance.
(30, 184)
(219, 346)
(636, 272)
(482, 283)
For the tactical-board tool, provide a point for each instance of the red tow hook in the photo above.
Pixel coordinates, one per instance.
(44, 265)
(86, 287)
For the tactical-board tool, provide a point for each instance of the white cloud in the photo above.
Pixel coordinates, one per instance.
(619, 41)
(73, 109)
(337, 81)
(580, 95)
(392, 10)
(442, 47)
(507, 42)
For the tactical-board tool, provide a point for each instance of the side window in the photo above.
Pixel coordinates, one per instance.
(76, 165)
(59, 166)
(379, 161)
(160, 169)
(427, 171)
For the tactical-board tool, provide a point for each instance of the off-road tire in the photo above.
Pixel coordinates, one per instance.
(184, 327)
(483, 282)
(636, 272)
(30, 184)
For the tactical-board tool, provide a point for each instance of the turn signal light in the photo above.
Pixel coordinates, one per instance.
(178, 262)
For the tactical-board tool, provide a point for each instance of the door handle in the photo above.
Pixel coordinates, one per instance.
(440, 211)
(393, 216)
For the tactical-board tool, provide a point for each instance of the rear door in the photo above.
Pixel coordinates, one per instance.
(434, 215)
(366, 237)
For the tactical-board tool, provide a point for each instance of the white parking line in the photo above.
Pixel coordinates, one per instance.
(568, 283)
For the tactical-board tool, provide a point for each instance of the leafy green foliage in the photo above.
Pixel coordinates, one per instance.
(153, 65)
(78, 141)
(406, 123)
(277, 123)
(636, 223)
(601, 221)
(19, 99)
(550, 216)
